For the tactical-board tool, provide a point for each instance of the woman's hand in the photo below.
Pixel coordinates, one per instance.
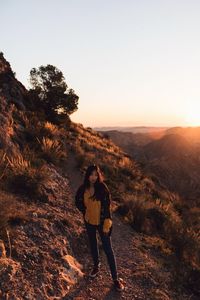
(107, 225)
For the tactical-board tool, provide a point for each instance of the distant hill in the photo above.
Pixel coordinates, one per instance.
(133, 129)
(191, 133)
(176, 161)
(170, 145)
(173, 156)
(132, 142)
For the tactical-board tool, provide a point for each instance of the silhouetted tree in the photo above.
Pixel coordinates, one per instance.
(50, 92)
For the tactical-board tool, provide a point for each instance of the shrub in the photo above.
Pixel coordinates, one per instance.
(22, 178)
(133, 209)
(123, 210)
(12, 213)
(52, 150)
(157, 220)
(51, 130)
(138, 211)
(186, 244)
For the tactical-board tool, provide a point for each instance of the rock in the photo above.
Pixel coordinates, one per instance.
(71, 270)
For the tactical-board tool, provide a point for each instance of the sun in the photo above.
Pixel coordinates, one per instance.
(192, 117)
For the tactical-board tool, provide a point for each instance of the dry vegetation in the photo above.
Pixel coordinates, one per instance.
(27, 146)
(29, 143)
(12, 213)
(148, 208)
(139, 201)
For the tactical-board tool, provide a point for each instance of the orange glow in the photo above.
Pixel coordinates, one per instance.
(193, 115)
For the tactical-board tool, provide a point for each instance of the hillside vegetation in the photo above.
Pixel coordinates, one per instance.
(38, 219)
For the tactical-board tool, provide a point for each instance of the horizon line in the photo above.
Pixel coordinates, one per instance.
(143, 126)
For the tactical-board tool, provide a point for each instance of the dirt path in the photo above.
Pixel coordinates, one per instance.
(101, 287)
(75, 178)
(140, 262)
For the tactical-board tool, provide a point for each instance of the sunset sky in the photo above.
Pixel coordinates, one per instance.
(132, 63)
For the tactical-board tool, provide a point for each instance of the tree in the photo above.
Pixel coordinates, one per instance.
(52, 94)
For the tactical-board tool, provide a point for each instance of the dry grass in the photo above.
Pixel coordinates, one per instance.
(12, 213)
(20, 177)
(52, 128)
(6, 122)
(52, 150)
(147, 208)
(43, 138)
(3, 163)
(18, 163)
(186, 244)
(91, 147)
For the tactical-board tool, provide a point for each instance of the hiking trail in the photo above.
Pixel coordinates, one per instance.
(141, 264)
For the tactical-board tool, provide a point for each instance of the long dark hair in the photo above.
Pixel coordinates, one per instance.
(99, 185)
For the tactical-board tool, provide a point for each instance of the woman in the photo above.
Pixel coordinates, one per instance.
(94, 201)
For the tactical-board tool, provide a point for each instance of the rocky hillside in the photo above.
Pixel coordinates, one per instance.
(133, 143)
(10, 88)
(175, 160)
(168, 157)
(44, 251)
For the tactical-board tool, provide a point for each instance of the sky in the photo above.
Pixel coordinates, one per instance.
(131, 62)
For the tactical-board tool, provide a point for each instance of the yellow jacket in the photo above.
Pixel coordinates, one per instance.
(93, 211)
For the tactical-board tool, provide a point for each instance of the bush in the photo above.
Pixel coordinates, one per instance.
(50, 130)
(22, 178)
(122, 210)
(52, 150)
(157, 219)
(186, 244)
(12, 213)
(133, 209)
(139, 213)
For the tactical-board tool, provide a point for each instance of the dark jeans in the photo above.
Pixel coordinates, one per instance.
(107, 246)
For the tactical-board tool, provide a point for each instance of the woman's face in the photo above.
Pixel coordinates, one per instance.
(93, 177)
